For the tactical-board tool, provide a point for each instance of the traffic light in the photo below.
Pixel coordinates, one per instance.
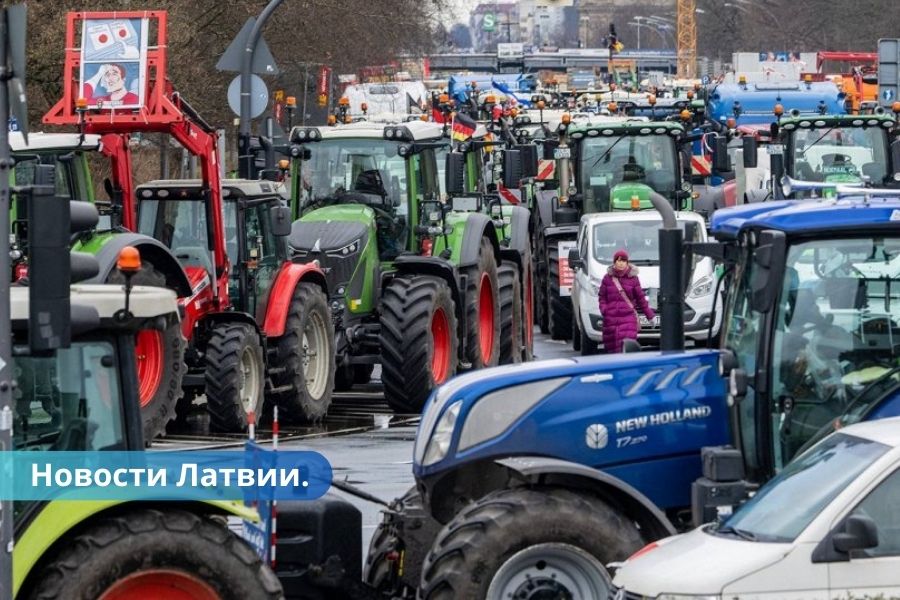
(52, 267)
(613, 39)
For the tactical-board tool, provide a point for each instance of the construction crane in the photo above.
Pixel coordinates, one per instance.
(686, 14)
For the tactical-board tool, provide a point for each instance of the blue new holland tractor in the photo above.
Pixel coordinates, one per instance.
(530, 479)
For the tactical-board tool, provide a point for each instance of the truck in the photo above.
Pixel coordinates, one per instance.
(564, 484)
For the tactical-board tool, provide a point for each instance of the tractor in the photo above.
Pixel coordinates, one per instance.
(602, 165)
(241, 345)
(542, 499)
(414, 284)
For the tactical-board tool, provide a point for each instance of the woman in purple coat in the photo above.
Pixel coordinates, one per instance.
(621, 296)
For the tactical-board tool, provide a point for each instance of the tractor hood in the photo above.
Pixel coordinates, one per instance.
(331, 228)
(640, 417)
(621, 197)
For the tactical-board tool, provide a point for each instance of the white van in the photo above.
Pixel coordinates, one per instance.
(599, 236)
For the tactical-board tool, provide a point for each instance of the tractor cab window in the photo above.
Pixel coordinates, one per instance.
(181, 226)
(23, 174)
(70, 401)
(607, 161)
(837, 330)
(840, 154)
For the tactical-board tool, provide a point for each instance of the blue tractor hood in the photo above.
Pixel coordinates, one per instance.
(642, 418)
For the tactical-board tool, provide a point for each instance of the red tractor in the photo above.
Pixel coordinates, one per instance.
(257, 324)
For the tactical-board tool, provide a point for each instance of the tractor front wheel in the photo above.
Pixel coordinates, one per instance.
(235, 376)
(559, 307)
(143, 554)
(306, 354)
(418, 340)
(524, 543)
(482, 310)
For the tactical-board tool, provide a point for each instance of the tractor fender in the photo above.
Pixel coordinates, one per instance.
(282, 292)
(544, 204)
(151, 249)
(410, 264)
(519, 238)
(477, 226)
(50, 529)
(561, 231)
(551, 471)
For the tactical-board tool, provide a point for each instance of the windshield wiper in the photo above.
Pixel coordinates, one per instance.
(608, 150)
(741, 533)
(822, 137)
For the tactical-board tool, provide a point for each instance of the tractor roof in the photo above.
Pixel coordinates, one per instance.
(39, 141)
(145, 303)
(231, 188)
(847, 215)
(415, 131)
(885, 120)
(618, 127)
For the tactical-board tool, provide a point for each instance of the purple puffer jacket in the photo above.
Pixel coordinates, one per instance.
(620, 321)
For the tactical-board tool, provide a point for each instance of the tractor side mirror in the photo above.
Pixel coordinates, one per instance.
(751, 147)
(860, 532)
(280, 221)
(529, 154)
(512, 169)
(574, 259)
(721, 161)
(768, 270)
(895, 159)
(455, 173)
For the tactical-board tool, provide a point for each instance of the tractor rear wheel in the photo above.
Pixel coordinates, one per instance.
(539, 289)
(159, 359)
(482, 310)
(235, 376)
(559, 313)
(510, 315)
(528, 309)
(418, 340)
(306, 351)
(172, 554)
(524, 543)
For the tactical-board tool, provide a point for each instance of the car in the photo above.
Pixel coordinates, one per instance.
(599, 236)
(825, 527)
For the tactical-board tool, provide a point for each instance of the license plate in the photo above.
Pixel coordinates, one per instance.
(645, 322)
(562, 153)
(775, 149)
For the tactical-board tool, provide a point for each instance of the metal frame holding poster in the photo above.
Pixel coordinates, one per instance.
(114, 62)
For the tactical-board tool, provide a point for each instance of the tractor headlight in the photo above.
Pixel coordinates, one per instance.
(702, 287)
(496, 412)
(347, 250)
(439, 444)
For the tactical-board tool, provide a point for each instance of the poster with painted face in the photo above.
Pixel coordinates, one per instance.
(114, 62)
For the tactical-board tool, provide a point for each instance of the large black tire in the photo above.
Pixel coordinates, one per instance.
(559, 308)
(235, 376)
(540, 287)
(159, 400)
(483, 272)
(416, 314)
(470, 550)
(511, 316)
(304, 370)
(526, 281)
(170, 542)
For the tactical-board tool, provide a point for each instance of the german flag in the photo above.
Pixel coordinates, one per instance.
(463, 127)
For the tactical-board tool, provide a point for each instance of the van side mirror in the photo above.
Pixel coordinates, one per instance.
(455, 173)
(895, 159)
(280, 221)
(574, 259)
(860, 532)
(750, 149)
(721, 161)
(512, 169)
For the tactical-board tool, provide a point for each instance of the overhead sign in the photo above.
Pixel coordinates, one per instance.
(114, 62)
(488, 22)
(888, 71)
(510, 50)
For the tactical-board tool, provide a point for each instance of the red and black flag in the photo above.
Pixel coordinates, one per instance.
(463, 127)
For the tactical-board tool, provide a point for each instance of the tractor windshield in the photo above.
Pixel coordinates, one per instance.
(609, 161)
(181, 226)
(70, 401)
(366, 171)
(840, 154)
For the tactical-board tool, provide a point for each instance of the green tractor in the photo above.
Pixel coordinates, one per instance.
(602, 165)
(159, 353)
(414, 285)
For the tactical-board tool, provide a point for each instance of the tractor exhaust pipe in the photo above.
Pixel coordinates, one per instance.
(671, 292)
